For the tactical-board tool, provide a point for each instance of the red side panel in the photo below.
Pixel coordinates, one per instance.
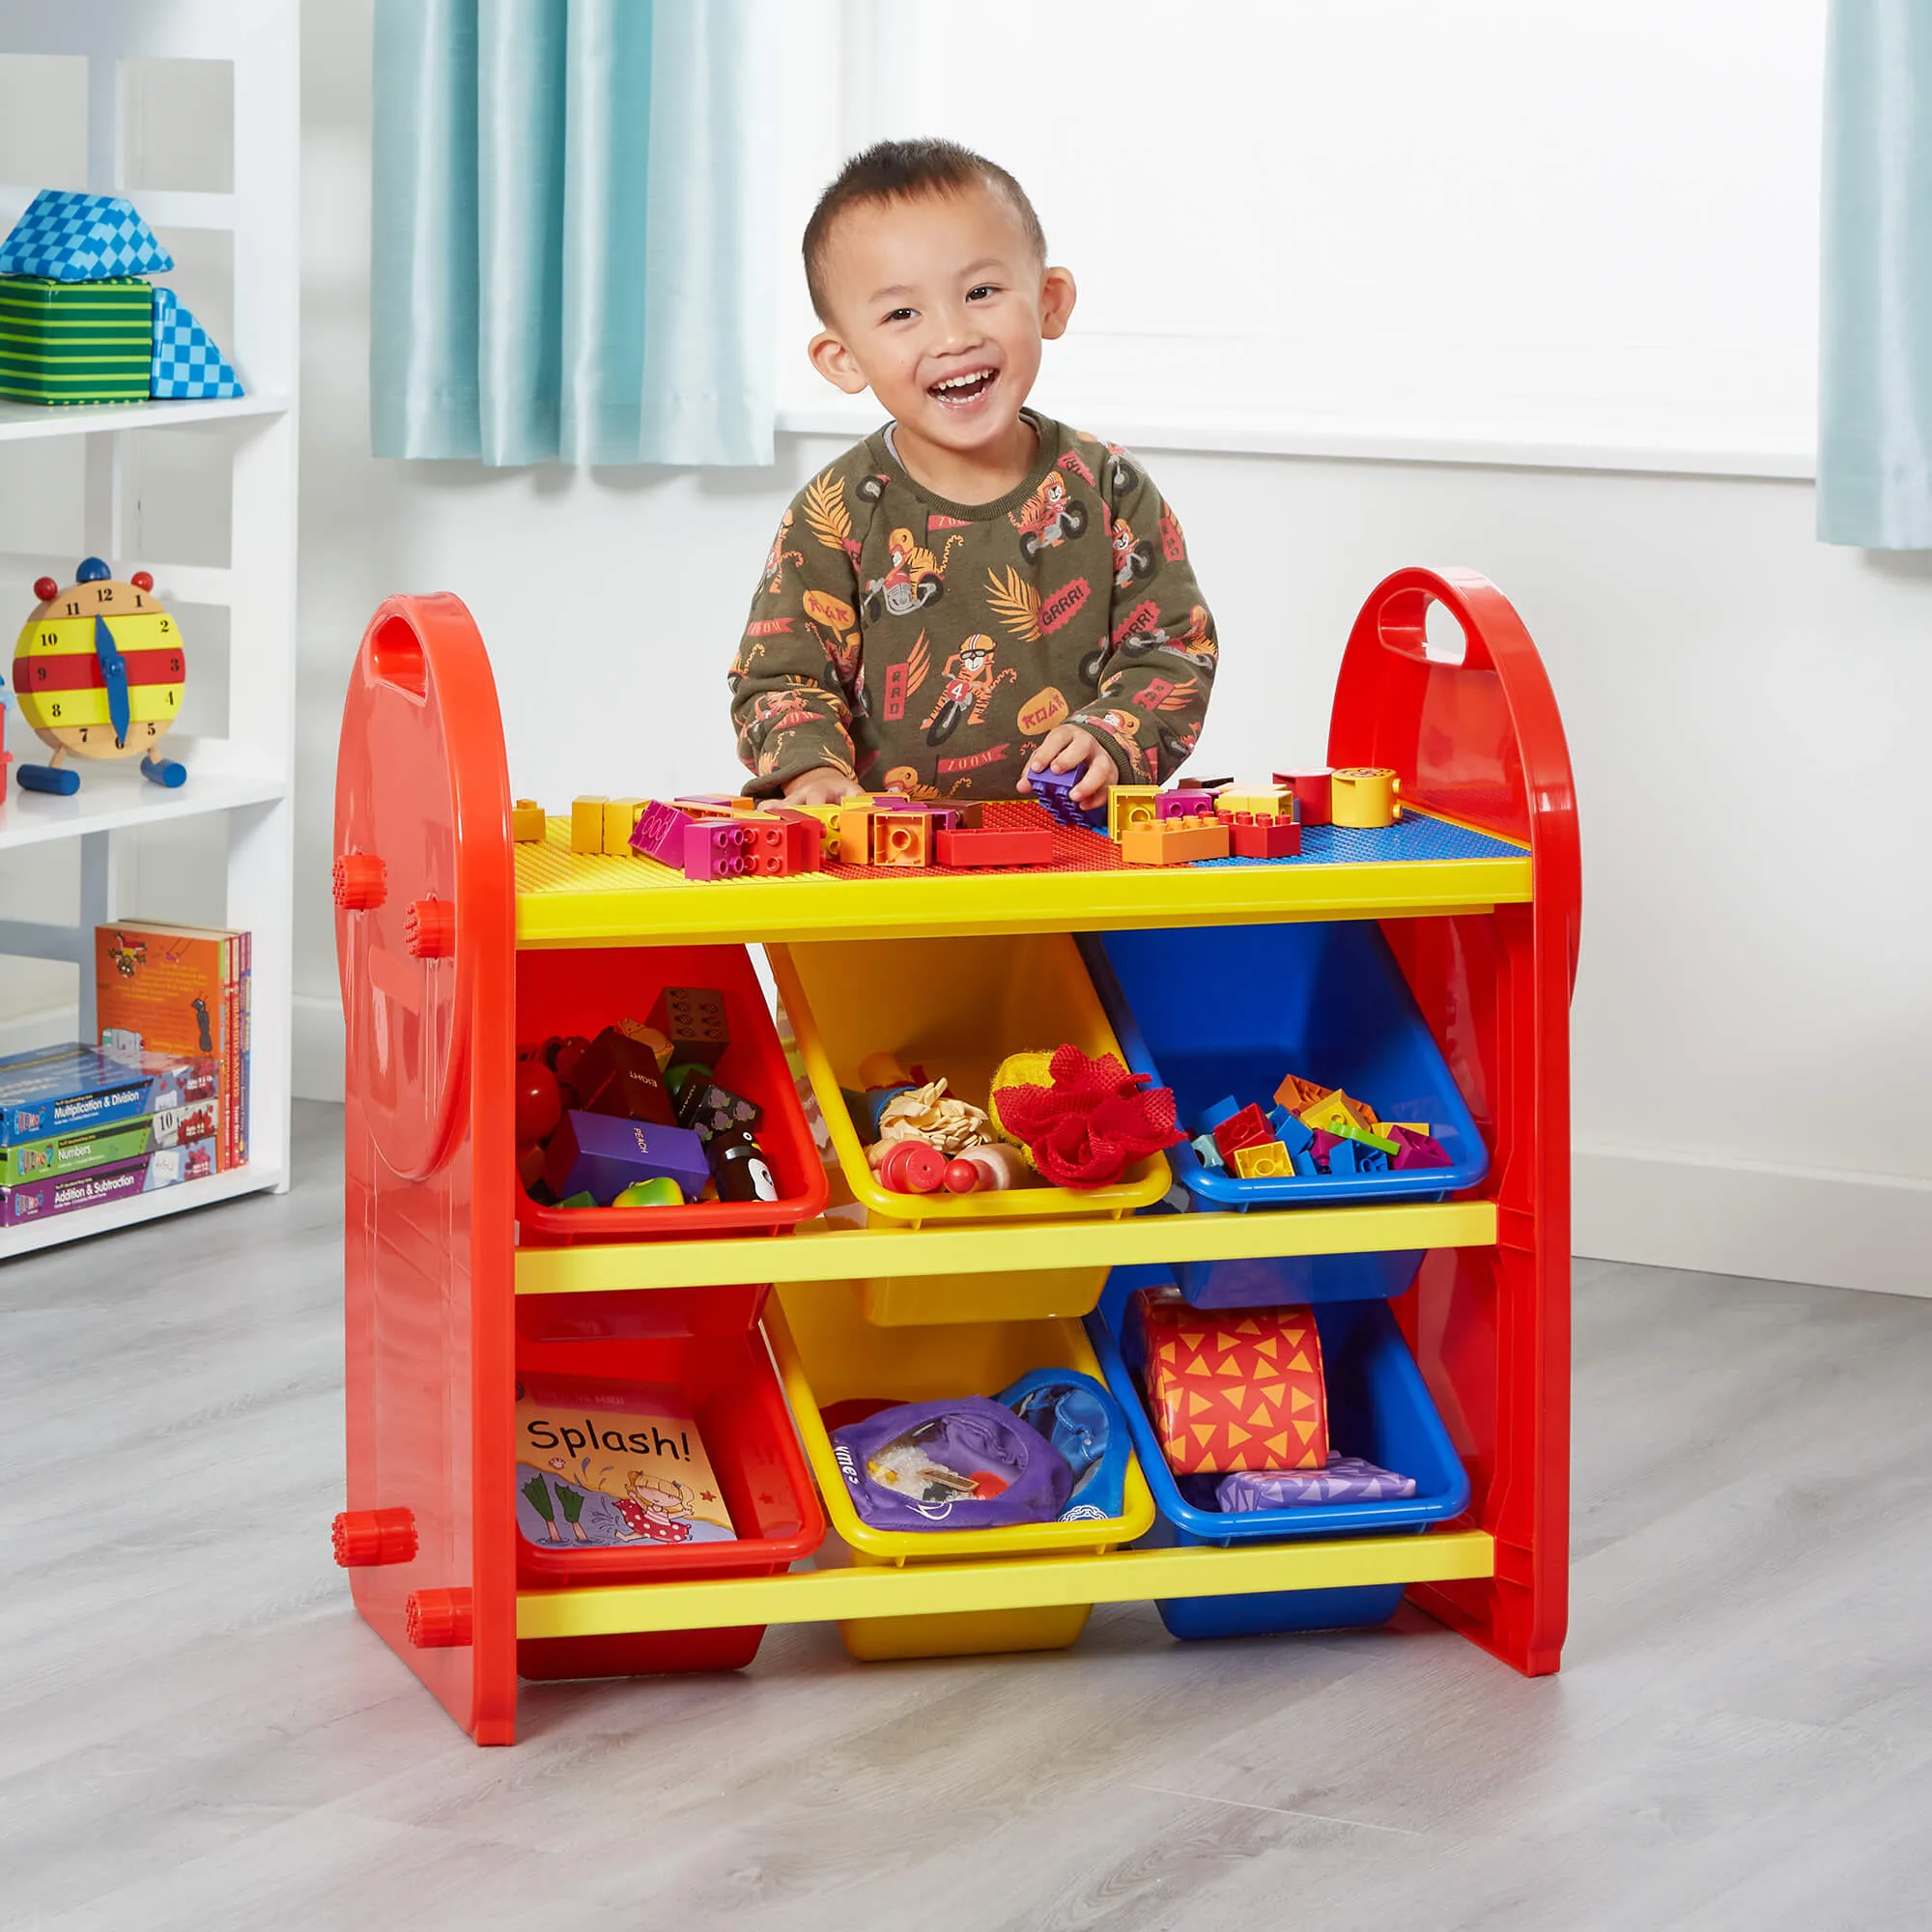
(1482, 741)
(427, 994)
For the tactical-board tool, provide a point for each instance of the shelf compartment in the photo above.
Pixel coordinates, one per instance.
(937, 1589)
(822, 1251)
(111, 801)
(112, 1215)
(566, 898)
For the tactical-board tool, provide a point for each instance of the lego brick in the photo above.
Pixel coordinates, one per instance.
(1053, 791)
(1338, 1114)
(659, 832)
(1292, 1132)
(619, 1075)
(855, 835)
(1206, 1151)
(185, 362)
(1417, 1149)
(602, 1155)
(1174, 843)
(1312, 795)
(1130, 808)
(1255, 840)
(900, 838)
(1363, 796)
(1275, 801)
(1247, 1129)
(1189, 804)
(1265, 1160)
(620, 819)
(978, 846)
(714, 848)
(769, 844)
(826, 816)
(805, 848)
(587, 822)
(527, 822)
(1210, 1118)
(1297, 1095)
(1304, 1161)
(693, 1019)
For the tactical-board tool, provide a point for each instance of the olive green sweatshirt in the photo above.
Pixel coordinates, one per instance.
(927, 646)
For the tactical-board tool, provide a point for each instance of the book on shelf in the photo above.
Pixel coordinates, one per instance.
(160, 988)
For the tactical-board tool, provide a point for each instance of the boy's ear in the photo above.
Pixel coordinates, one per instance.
(1057, 297)
(837, 363)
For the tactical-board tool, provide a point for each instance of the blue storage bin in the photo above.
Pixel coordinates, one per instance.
(1228, 1010)
(1378, 1407)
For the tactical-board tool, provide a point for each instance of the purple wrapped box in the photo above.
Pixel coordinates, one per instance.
(601, 1155)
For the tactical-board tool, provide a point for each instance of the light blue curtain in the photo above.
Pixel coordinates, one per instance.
(572, 245)
(1875, 324)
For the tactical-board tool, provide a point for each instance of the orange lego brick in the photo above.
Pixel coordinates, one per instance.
(1175, 841)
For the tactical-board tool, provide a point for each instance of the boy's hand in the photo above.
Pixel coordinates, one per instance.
(822, 786)
(1065, 748)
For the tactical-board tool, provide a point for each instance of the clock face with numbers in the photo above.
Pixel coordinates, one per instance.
(98, 667)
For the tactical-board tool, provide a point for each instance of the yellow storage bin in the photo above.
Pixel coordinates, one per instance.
(892, 1301)
(828, 1353)
(955, 1007)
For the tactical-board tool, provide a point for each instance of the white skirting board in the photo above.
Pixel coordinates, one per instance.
(1769, 1223)
(317, 1043)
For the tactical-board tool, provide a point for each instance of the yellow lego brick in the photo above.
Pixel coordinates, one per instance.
(620, 816)
(1340, 1114)
(1270, 801)
(587, 822)
(1130, 808)
(1263, 1162)
(1414, 1126)
(1175, 841)
(828, 816)
(527, 822)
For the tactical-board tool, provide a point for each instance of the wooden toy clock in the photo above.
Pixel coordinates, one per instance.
(98, 673)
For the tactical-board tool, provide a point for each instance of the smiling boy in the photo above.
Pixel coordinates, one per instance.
(975, 591)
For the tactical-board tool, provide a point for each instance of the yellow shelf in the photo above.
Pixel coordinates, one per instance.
(565, 899)
(1118, 1576)
(823, 1251)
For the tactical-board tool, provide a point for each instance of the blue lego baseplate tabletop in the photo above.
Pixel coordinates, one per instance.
(1413, 839)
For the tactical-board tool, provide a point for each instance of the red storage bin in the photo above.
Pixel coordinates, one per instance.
(732, 1391)
(581, 990)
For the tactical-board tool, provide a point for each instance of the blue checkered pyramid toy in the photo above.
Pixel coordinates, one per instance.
(187, 362)
(66, 237)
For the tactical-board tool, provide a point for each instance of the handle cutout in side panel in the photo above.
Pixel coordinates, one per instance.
(1443, 638)
(396, 657)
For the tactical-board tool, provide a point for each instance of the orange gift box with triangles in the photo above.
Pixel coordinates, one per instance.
(1234, 1388)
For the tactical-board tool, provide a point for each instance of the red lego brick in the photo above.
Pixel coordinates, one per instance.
(805, 845)
(1247, 1129)
(968, 847)
(1259, 838)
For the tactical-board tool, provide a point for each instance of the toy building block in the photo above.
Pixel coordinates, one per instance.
(806, 848)
(1313, 799)
(707, 1109)
(1053, 791)
(185, 362)
(720, 803)
(1364, 796)
(75, 342)
(602, 1155)
(1276, 800)
(1176, 842)
(1292, 1132)
(900, 838)
(1414, 1151)
(1190, 783)
(1267, 1160)
(1206, 1151)
(1192, 803)
(659, 832)
(693, 1019)
(1304, 1161)
(855, 833)
(1129, 808)
(1297, 1095)
(714, 848)
(620, 819)
(587, 822)
(65, 236)
(619, 1075)
(767, 853)
(1342, 1157)
(527, 822)
(827, 818)
(1210, 1118)
(1252, 837)
(1340, 1114)
(981, 845)
(1247, 1129)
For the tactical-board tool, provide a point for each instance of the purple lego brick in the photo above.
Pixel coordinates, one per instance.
(713, 849)
(1183, 805)
(601, 1154)
(1417, 1149)
(1054, 790)
(660, 833)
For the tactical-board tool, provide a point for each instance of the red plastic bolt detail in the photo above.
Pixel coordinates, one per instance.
(429, 929)
(437, 1619)
(361, 881)
(366, 1538)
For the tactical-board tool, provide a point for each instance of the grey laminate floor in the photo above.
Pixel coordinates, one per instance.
(195, 1731)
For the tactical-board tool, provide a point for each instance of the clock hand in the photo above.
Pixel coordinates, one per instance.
(114, 674)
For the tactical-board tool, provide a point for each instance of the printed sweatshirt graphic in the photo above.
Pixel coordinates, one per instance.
(927, 646)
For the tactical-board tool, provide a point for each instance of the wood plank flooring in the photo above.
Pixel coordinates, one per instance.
(195, 1731)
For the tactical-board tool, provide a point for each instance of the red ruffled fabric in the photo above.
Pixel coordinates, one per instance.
(1093, 1122)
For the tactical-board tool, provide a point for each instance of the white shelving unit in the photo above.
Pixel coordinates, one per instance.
(246, 774)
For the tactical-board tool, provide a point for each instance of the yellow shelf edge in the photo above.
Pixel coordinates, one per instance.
(921, 1589)
(825, 1253)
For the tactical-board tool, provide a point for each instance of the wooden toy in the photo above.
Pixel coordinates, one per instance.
(693, 1019)
(619, 1075)
(1252, 837)
(911, 1167)
(1312, 795)
(1363, 796)
(998, 1165)
(98, 671)
(970, 846)
(527, 822)
(1130, 808)
(586, 823)
(1177, 842)
(601, 1155)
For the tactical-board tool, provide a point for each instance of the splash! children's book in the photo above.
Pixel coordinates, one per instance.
(604, 1465)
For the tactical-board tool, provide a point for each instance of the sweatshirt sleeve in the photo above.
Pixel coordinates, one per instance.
(798, 676)
(1158, 671)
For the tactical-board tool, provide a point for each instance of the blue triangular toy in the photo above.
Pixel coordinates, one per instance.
(187, 361)
(66, 237)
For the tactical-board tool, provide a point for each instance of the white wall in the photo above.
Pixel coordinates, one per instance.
(1754, 1015)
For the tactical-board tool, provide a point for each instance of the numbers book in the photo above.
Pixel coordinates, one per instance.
(605, 1465)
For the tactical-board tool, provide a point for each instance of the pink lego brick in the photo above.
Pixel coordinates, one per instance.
(660, 833)
(1184, 804)
(715, 850)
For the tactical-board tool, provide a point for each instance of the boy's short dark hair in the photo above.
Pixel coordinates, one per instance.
(903, 171)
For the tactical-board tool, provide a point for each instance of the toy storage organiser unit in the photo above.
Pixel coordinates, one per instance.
(1449, 1362)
